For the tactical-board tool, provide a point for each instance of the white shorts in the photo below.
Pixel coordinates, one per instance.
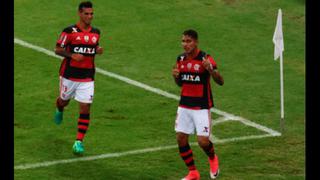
(80, 91)
(188, 120)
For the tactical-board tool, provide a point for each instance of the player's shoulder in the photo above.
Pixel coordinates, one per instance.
(95, 30)
(202, 54)
(181, 56)
(69, 29)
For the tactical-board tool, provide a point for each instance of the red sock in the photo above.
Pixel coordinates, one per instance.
(187, 156)
(83, 124)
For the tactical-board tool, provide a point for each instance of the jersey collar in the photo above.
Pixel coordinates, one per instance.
(195, 55)
(83, 30)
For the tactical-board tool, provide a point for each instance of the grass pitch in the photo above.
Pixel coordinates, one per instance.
(141, 41)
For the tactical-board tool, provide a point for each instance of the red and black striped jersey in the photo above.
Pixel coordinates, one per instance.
(195, 81)
(76, 40)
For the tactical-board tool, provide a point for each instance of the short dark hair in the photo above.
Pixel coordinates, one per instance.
(85, 4)
(192, 33)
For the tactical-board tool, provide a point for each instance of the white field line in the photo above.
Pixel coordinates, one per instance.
(213, 138)
(220, 120)
(126, 153)
(152, 89)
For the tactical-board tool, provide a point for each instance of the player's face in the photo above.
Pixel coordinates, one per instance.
(188, 44)
(86, 15)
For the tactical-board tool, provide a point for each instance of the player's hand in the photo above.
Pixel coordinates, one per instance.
(99, 50)
(207, 65)
(175, 71)
(77, 57)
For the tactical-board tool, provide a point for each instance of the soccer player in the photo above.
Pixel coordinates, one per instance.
(78, 44)
(192, 73)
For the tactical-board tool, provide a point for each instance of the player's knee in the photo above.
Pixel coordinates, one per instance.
(203, 142)
(62, 102)
(182, 139)
(84, 108)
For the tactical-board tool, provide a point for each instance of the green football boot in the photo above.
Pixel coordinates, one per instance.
(78, 148)
(58, 116)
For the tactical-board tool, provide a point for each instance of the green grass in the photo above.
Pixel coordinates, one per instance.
(141, 41)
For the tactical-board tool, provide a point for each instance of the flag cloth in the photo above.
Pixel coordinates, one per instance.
(278, 37)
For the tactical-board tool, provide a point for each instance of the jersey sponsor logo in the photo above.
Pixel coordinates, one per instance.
(94, 39)
(84, 50)
(196, 67)
(181, 58)
(189, 77)
(86, 38)
(78, 38)
(74, 30)
(205, 129)
(189, 65)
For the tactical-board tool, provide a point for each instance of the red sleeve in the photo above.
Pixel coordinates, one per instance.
(178, 64)
(63, 40)
(214, 64)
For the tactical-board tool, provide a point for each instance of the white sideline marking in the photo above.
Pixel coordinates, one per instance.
(226, 117)
(220, 120)
(152, 89)
(139, 151)
(37, 48)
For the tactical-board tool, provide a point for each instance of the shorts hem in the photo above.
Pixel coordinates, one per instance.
(83, 101)
(189, 133)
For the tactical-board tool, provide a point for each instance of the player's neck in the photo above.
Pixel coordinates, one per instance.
(193, 53)
(84, 26)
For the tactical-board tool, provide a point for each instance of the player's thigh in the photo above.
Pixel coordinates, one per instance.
(184, 121)
(85, 92)
(67, 88)
(202, 121)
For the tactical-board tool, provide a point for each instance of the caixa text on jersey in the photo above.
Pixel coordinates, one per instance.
(84, 50)
(189, 77)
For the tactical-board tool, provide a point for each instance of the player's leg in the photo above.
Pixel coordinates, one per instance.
(83, 121)
(84, 95)
(208, 148)
(66, 91)
(83, 124)
(183, 127)
(60, 104)
(203, 126)
(187, 156)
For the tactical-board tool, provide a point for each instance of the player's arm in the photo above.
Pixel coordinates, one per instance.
(62, 52)
(61, 44)
(175, 75)
(99, 50)
(207, 63)
(217, 77)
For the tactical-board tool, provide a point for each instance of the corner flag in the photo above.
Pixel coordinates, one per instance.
(278, 50)
(278, 37)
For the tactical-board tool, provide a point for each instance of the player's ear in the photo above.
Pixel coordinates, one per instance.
(79, 12)
(196, 41)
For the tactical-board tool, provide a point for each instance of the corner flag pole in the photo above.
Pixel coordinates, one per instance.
(281, 94)
(278, 50)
